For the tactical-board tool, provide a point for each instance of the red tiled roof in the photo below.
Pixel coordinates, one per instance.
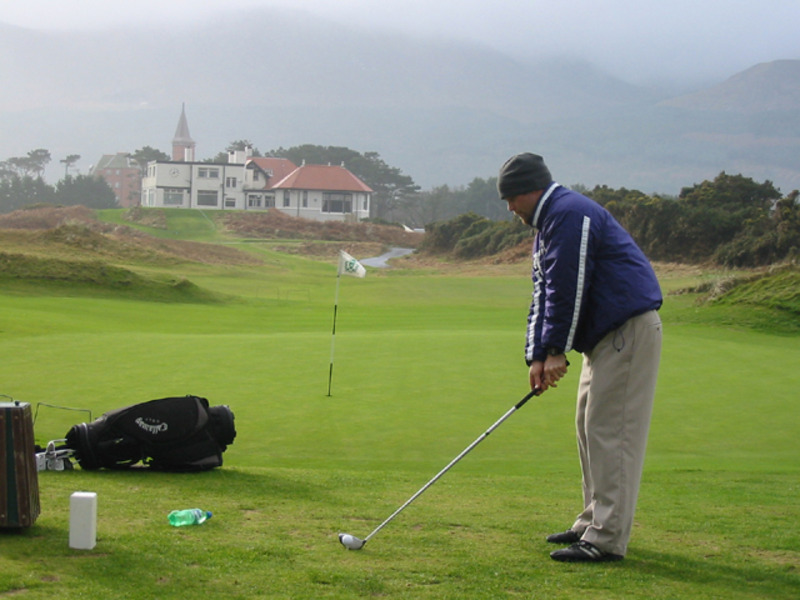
(279, 167)
(322, 177)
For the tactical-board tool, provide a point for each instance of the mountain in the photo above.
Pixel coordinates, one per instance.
(443, 111)
(767, 87)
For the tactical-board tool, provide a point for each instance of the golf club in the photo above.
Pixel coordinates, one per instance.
(351, 542)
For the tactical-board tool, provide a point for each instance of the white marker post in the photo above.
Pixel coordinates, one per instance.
(83, 520)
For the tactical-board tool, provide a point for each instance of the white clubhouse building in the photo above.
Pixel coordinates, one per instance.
(319, 192)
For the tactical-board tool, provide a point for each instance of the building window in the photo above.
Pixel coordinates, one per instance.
(305, 198)
(337, 202)
(253, 201)
(230, 182)
(207, 173)
(286, 198)
(230, 202)
(173, 197)
(269, 200)
(207, 198)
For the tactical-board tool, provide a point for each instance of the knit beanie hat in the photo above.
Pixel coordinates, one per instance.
(521, 174)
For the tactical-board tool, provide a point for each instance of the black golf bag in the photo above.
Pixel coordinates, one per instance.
(170, 434)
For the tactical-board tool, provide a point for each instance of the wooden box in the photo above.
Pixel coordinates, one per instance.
(19, 495)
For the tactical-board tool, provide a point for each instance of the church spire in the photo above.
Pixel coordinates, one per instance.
(182, 143)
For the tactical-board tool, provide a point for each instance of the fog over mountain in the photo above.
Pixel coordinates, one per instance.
(443, 111)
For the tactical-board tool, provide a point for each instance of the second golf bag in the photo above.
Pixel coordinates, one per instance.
(170, 434)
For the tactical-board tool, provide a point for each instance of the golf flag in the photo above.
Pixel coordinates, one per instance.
(347, 266)
(350, 266)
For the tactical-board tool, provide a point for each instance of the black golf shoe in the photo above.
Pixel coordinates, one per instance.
(584, 552)
(565, 537)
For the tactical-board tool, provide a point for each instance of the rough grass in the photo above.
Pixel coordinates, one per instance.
(275, 224)
(25, 274)
(77, 232)
(763, 299)
(778, 289)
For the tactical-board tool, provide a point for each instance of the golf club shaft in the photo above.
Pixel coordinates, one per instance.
(466, 451)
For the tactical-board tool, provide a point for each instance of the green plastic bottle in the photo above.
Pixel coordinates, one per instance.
(188, 516)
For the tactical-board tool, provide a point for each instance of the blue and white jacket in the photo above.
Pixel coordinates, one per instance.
(589, 276)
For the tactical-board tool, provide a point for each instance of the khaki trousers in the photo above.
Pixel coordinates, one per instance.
(615, 402)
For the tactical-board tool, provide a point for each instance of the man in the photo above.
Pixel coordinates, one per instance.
(594, 291)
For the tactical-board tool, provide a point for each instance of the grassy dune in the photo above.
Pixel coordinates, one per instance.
(426, 358)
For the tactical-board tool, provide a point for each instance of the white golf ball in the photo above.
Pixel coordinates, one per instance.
(350, 542)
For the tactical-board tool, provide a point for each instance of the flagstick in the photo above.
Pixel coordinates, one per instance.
(333, 332)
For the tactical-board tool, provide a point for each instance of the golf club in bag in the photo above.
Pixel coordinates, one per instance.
(351, 542)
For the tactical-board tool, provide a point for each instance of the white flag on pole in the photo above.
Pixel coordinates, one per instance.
(347, 266)
(350, 266)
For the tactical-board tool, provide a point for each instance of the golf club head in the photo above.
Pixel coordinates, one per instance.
(351, 542)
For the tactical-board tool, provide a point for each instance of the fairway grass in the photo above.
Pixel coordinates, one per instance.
(423, 365)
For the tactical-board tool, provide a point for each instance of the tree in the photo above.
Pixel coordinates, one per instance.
(31, 165)
(17, 192)
(92, 192)
(242, 145)
(765, 239)
(735, 193)
(786, 220)
(69, 161)
(713, 213)
(481, 197)
(648, 219)
(470, 236)
(38, 160)
(431, 206)
(732, 220)
(235, 146)
(7, 171)
(147, 154)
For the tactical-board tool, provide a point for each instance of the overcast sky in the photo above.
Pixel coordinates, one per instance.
(687, 41)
